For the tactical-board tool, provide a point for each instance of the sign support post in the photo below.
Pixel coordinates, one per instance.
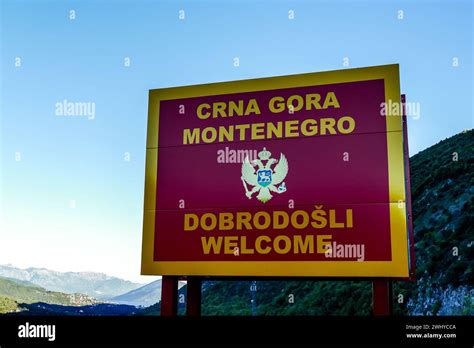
(406, 156)
(169, 296)
(382, 297)
(193, 303)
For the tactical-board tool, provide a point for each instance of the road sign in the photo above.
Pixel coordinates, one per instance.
(299, 175)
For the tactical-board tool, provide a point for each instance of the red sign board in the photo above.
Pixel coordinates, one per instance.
(299, 175)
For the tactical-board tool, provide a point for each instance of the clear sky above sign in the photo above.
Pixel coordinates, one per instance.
(297, 175)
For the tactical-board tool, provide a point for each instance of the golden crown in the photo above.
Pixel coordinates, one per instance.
(264, 154)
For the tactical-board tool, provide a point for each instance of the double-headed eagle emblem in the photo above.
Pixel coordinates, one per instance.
(261, 176)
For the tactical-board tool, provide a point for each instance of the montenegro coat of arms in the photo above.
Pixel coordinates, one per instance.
(260, 176)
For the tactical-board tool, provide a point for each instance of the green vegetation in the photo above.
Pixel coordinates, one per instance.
(442, 178)
(29, 294)
(288, 298)
(8, 305)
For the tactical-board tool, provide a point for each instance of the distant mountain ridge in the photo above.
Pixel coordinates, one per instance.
(145, 296)
(97, 285)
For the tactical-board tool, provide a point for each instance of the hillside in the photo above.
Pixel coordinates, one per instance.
(13, 293)
(96, 285)
(8, 305)
(442, 197)
(443, 211)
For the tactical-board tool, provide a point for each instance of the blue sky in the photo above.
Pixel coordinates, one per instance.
(71, 200)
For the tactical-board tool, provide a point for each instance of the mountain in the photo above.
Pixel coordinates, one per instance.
(13, 293)
(155, 309)
(145, 296)
(96, 285)
(442, 182)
